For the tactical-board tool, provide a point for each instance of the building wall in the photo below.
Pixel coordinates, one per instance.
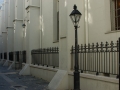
(99, 22)
(2, 21)
(4, 25)
(18, 21)
(32, 3)
(40, 19)
(19, 9)
(47, 25)
(32, 31)
(11, 13)
(18, 35)
(10, 28)
(95, 24)
(10, 41)
(6, 5)
(4, 35)
(1, 49)
(67, 31)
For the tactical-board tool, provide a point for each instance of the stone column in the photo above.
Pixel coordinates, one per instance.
(33, 31)
(10, 28)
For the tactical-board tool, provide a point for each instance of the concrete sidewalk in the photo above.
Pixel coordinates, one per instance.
(11, 80)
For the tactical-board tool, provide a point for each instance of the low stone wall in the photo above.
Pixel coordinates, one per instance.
(45, 73)
(17, 65)
(93, 82)
(87, 81)
(4, 61)
(10, 62)
(23, 64)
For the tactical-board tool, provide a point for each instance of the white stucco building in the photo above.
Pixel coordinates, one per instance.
(41, 24)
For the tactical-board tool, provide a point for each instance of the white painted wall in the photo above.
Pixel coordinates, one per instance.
(32, 31)
(24, 22)
(2, 21)
(99, 21)
(32, 3)
(11, 13)
(6, 5)
(2, 25)
(10, 28)
(67, 31)
(10, 40)
(4, 35)
(0, 31)
(18, 35)
(1, 48)
(19, 9)
(48, 25)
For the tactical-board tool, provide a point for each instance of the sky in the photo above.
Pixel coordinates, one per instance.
(1, 1)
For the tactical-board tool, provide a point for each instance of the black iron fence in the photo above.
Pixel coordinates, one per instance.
(1, 55)
(24, 56)
(11, 54)
(20, 56)
(46, 56)
(5, 55)
(99, 58)
(18, 60)
(17, 56)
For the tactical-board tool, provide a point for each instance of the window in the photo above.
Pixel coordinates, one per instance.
(115, 14)
(56, 21)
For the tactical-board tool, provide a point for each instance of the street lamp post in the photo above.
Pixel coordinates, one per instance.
(75, 17)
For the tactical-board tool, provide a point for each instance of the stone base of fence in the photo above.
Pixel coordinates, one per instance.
(1, 61)
(43, 72)
(25, 70)
(93, 82)
(87, 81)
(6, 63)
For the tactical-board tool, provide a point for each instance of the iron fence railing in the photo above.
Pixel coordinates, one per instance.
(99, 58)
(46, 56)
(5, 55)
(24, 56)
(1, 55)
(18, 60)
(17, 56)
(11, 54)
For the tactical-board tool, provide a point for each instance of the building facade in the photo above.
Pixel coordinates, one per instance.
(44, 27)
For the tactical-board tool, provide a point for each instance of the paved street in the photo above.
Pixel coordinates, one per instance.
(11, 80)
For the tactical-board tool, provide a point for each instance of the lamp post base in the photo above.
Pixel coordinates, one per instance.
(76, 80)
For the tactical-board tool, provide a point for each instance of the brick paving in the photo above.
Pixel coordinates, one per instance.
(10, 78)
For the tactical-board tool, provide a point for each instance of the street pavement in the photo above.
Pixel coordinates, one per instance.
(11, 80)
